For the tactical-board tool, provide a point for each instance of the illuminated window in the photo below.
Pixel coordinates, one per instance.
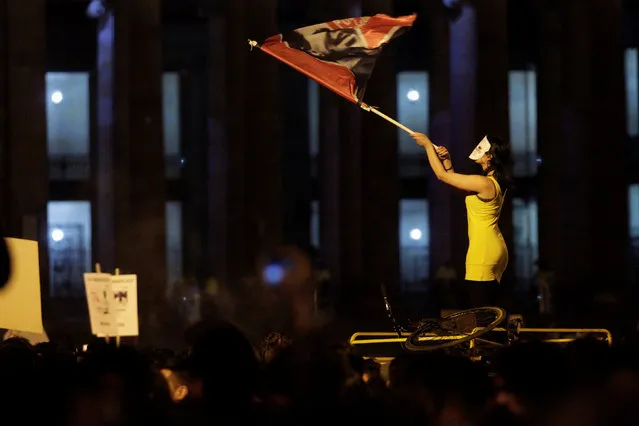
(315, 224)
(68, 125)
(523, 121)
(412, 111)
(633, 205)
(172, 119)
(633, 213)
(69, 226)
(526, 238)
(632, 93)
(414, 241)
(313, 117)
(313, 124)
(173, 243)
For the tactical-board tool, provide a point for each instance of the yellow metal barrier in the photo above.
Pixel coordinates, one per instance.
(606, 333)
(354, 337)
(392, 337)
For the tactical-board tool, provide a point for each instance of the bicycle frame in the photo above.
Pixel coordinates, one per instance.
(399, 330)
(513, 330)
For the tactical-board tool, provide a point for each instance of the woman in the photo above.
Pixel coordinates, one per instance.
(487, 254)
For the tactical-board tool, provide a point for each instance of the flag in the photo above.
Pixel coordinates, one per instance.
(341, 54)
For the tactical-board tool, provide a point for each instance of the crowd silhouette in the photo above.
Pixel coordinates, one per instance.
(223, 379)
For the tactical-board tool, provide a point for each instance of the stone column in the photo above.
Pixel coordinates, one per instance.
(339, 176)
(244, 148)
(549, 140)
(380, 175)
(446, 219)
(227, 73)
(574, 218)
(195, 172)
(296, 174)
(479, 100)
(340, 196)
(585, 214)
(130, 195)
(263, 144)
(610, 212)
(23, 133)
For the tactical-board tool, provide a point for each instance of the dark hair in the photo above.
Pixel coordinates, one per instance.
(501, 162)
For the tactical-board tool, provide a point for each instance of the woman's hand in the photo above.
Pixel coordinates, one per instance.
(421, 139)
(442, 153)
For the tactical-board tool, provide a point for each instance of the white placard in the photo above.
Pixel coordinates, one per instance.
(20, 304)
(113, 304)
(125, 304)
(98, 291)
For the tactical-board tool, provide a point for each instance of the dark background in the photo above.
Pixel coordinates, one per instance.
(244, 177)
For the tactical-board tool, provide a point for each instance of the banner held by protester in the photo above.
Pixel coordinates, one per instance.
(340, 55)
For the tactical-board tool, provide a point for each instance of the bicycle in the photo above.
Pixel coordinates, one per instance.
(450, 331)
(467, 330)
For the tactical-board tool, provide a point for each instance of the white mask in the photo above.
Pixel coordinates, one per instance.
(480, 150)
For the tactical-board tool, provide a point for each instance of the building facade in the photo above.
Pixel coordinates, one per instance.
(157, 142)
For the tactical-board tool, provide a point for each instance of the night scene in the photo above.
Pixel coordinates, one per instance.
(305, 212)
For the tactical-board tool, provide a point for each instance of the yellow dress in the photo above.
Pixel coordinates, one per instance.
(487, 255)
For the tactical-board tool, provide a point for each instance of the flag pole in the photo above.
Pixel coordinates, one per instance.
(254, 44)
(387, 118)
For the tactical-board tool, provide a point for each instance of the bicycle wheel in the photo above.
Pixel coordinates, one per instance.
(454, 329)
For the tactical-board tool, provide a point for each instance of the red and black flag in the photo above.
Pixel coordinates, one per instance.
(341, 54)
